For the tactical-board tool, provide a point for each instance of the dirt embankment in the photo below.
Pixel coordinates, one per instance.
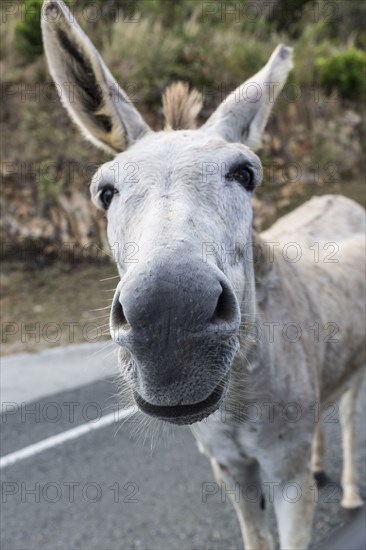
(47, 306)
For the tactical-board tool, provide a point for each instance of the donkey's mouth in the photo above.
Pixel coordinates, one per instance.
(183, 414)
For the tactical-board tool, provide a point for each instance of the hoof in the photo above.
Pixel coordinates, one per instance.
(321, 479)
(351, 502)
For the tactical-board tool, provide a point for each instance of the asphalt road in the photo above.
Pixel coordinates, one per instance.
(108, 489)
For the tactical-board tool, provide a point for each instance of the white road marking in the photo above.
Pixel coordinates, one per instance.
(59, 439)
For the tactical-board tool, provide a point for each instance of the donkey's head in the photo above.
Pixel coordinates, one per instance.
(178, 205)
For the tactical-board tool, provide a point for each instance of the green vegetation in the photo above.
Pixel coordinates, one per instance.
(345, 72)
(28, 33)
(212, 42)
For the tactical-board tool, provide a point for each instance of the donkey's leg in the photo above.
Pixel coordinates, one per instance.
(294, 504)
(317, 456)
(217, 471)
(241, 482)
(351, 497)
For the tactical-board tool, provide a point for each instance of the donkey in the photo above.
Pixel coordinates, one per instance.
(219, 327)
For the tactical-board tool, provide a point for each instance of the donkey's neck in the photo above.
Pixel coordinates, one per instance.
(253, 376)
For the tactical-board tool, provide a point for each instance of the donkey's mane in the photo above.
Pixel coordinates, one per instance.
(181, 106)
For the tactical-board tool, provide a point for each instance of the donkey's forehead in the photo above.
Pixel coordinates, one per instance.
(178, 152)
(181, 141)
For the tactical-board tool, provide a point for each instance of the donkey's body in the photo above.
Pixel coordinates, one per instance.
(265, 433)
(335, 226)
(184, 314)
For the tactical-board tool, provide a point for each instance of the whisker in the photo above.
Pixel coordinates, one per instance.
(103, 348)
(105, 317)
(100, 308)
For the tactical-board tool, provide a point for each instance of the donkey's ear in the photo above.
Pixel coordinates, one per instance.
(242, 116)
(87, 89)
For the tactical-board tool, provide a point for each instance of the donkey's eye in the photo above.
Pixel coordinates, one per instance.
(106, 195)
(243, 175)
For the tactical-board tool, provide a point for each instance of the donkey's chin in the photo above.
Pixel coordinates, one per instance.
(184, 414)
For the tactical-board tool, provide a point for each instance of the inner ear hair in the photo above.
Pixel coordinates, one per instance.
(100, 108)
(88, 90)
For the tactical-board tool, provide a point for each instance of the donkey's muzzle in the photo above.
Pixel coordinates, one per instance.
(179, 321)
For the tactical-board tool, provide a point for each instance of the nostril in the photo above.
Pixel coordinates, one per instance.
(118, 319)
(226, 307)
